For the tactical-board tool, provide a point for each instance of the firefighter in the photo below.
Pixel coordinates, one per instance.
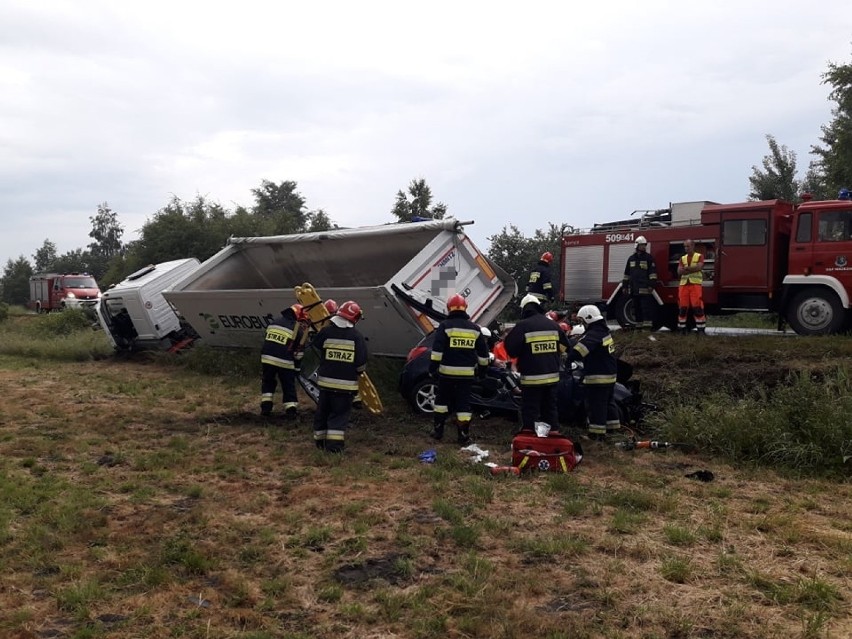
(540, 279)
(343, 357)
(640, 277)
(330, 306)
(281, 359)
(537, 342)
(459, 354)
(596, 349)
(690, 293)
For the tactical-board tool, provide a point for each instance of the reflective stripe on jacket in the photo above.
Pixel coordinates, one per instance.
(343, 356)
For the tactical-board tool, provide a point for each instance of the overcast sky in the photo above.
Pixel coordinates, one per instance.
(514, 112)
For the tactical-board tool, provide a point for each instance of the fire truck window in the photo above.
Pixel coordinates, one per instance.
(835, 226)
(744, 232)
(803, 233)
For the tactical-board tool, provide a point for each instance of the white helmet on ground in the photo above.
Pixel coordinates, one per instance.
(641, 240)
(529, 298)
(589, 313)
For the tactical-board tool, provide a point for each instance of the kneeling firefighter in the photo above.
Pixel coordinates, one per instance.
(459, 354)
(596, 349)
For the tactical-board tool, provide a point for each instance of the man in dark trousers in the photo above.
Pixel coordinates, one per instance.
(596, 349)
(343, 357)
(459, 354)
(537, 343)
(540, 284)
(640, 277)
(281, 358)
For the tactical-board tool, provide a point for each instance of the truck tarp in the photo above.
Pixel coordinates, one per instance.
(400, 274)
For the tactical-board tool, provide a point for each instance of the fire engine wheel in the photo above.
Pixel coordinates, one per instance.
(423, 396)
(816, 311)
(624, 313)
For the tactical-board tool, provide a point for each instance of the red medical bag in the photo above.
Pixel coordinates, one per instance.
(554, 453)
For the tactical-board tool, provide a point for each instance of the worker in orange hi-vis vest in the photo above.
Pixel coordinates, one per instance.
(690, 294)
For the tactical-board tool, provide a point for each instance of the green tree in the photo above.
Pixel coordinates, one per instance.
(518, 254)
(45, 257)
(16, 281)
(417, 203)
(106, 233)
(281, 207)
(777, 179)
(832, 169)
(319, 221)
(76, 261)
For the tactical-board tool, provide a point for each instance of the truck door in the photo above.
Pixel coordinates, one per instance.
(742, 264)
(832, 250)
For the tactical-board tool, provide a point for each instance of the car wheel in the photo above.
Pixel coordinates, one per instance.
(422, 396)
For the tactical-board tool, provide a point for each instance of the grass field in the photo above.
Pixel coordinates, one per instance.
(143, 497)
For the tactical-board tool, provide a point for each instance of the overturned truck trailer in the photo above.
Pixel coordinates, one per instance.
(400, 274)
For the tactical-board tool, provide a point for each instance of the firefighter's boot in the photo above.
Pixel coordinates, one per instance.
(265, 409)
(464, 435)
(437, 432)
(290, 413)
(700, 332)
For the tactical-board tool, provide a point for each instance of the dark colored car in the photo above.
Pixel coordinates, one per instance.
(497, 394)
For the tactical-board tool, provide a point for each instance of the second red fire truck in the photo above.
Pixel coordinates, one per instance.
(758, 256)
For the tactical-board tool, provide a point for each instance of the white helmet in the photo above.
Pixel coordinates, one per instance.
(486, 332)
(589, 313)
(641, 240)
(577, 330)
(529, 298)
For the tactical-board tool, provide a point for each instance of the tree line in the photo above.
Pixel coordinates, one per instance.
(195, 228)
(200, 227)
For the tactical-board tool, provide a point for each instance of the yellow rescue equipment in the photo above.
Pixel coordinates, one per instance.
(318, 317)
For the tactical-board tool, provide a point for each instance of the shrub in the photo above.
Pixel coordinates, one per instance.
(801, 425)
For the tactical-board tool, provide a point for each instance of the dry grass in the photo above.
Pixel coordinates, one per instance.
(143, 500)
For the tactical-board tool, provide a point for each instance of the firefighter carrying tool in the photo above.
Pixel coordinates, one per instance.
(318, 316)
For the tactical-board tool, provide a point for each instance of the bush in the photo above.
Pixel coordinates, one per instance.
(4, 311)
(801, 425)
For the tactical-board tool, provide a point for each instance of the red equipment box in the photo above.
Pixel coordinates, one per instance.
(554, 453)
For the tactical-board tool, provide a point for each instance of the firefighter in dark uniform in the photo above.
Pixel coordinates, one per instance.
(459, 354)
(640, 277)
(596, 349)
(540, 283)
(281, 359)
(538, 343)
(343, 357)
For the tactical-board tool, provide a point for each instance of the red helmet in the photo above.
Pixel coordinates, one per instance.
(330, 306)
(457, 303)
(566, 327)
(553, 315)
(350, 311)
(546, 257)
(299, 312)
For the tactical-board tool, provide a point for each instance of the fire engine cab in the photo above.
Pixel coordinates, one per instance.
(57, 291)
(758, 256)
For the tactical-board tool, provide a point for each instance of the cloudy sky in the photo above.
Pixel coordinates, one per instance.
(522, 113)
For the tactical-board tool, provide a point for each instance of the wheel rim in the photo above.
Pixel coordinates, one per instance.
(424, 398)
(815, 313)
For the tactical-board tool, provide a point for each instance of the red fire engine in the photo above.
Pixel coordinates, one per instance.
(56, 291)
(758, 256)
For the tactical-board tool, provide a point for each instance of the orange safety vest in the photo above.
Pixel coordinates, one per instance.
(691, 278)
